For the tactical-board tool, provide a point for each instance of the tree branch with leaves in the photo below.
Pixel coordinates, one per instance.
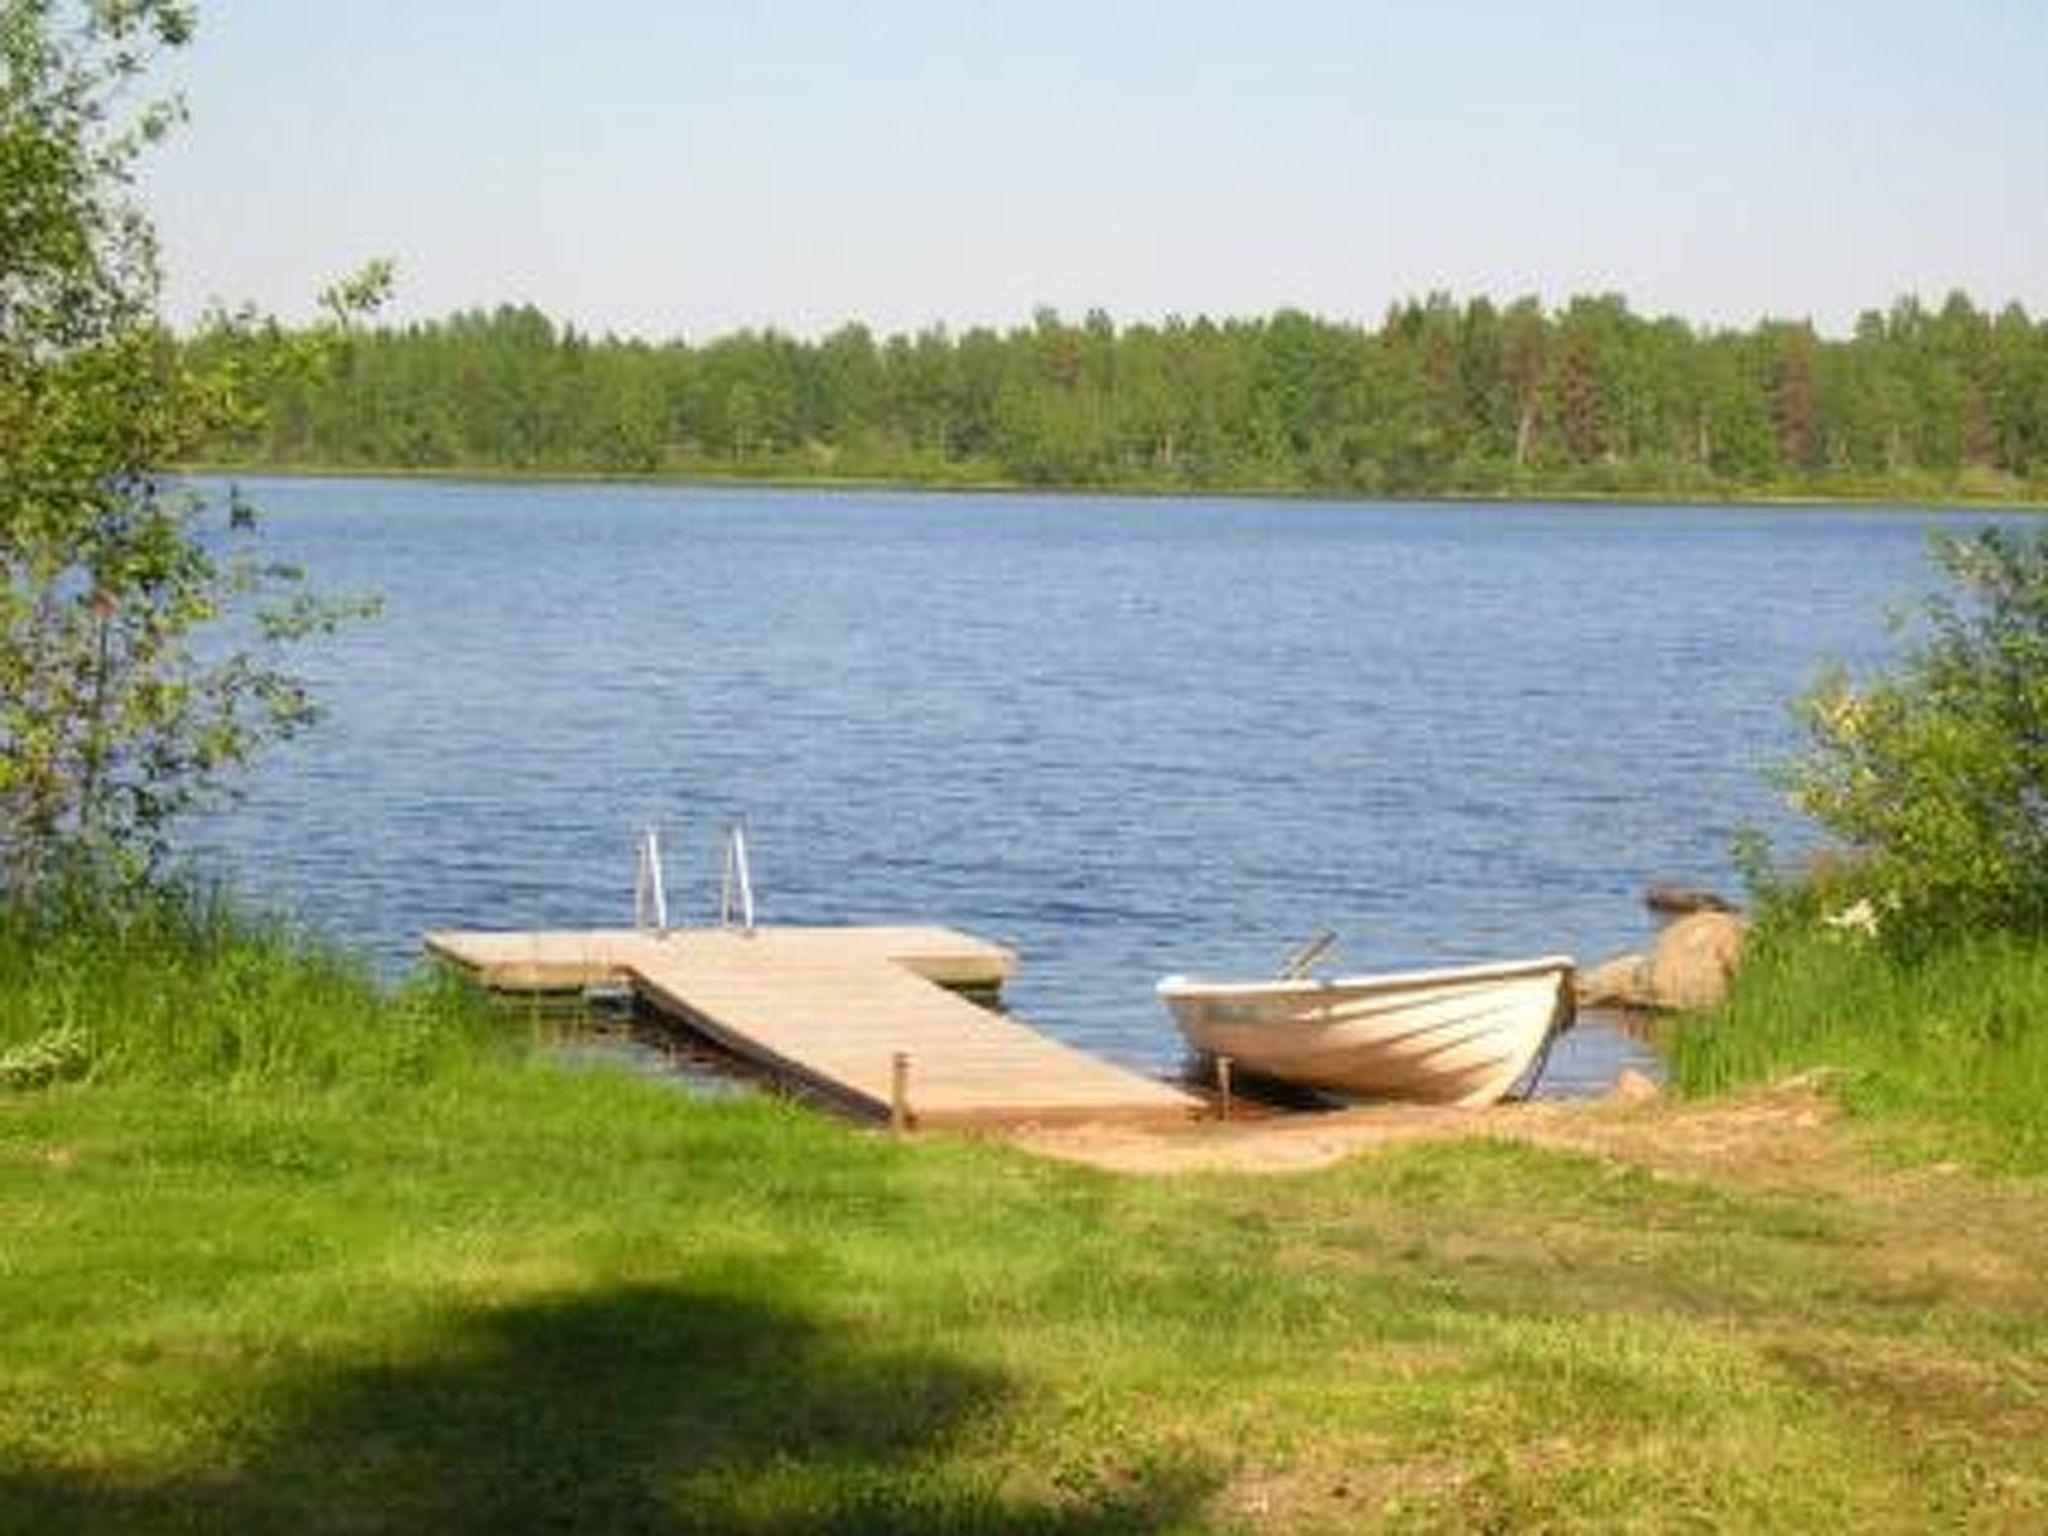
(144, 641)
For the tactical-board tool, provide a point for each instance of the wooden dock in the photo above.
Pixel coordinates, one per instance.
(834, 1009)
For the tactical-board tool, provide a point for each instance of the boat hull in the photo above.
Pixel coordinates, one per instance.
(1458, 1036)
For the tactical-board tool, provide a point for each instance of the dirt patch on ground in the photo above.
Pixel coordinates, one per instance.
(1786, 1131)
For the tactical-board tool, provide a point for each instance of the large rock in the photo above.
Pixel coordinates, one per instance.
(1623, 982)
(1693, 960)
(1688, 967)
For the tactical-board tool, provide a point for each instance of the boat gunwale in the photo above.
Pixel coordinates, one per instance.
(1365, 985)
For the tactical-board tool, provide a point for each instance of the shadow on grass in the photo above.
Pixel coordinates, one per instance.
(644, 1409)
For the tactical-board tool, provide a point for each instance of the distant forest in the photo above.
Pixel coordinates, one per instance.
(1442, 398)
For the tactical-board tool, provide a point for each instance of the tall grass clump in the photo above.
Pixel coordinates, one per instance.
(177, 984)
(1954, 1037)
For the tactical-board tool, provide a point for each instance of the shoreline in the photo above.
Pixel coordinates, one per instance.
(973, 487)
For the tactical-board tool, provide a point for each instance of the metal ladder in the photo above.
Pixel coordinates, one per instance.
(736, 887)
(650, 884)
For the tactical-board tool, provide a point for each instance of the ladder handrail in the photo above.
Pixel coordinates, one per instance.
(736, 888)
(650, 887)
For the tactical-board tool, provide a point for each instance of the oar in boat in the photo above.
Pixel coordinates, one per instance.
(1298, 963)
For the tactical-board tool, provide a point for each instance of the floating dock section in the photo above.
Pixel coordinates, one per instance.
(867, 1017)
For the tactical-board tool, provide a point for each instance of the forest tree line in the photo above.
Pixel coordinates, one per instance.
(1442, 398)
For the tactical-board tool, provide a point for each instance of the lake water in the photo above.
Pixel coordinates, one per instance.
(1128, 736)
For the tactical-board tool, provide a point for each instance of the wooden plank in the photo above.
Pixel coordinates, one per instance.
(834, 1009)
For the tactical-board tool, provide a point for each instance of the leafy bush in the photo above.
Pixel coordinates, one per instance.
(1935, 775)
(1911, 965)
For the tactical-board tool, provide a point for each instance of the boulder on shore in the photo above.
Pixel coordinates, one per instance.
(1694, 959)
(1623, 982)
(1689, 966)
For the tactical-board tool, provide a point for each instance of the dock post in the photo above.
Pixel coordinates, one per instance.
(1223, 1065)
(899, 1092)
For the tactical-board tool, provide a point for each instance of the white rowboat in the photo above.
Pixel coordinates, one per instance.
(1464, 1035)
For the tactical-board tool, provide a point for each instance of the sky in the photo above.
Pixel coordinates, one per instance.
(664, 168)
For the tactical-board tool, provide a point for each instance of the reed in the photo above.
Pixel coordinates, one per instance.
(1951, 1045)
(179, 985)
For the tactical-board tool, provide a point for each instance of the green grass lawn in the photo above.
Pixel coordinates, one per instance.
(281, 1252)
(513, 1298)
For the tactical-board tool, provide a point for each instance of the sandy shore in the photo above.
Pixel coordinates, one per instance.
(1752, 1134)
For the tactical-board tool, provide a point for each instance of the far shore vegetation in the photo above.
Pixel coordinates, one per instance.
(1922, 402)
(966, 486)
